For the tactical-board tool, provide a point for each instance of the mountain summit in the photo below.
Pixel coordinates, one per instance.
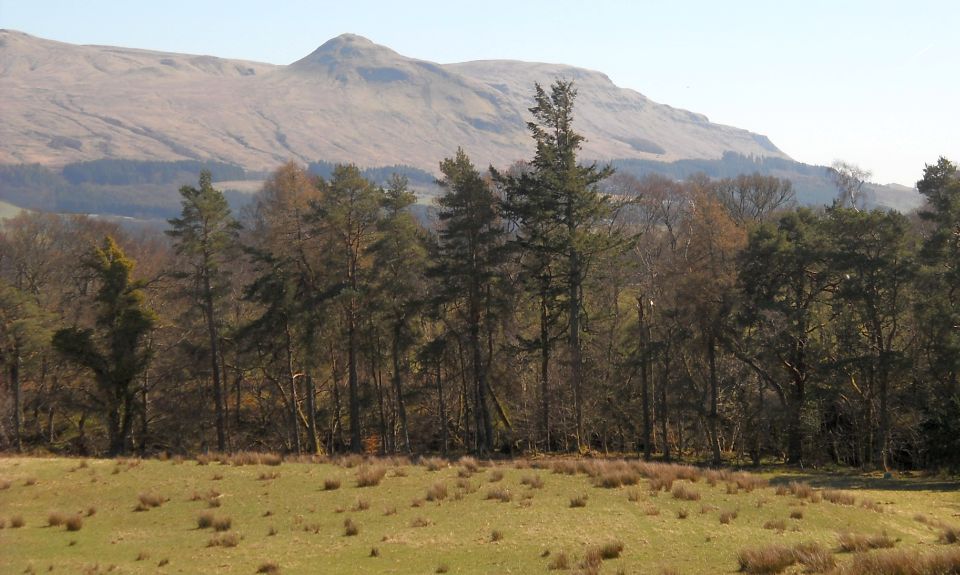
(348, 100)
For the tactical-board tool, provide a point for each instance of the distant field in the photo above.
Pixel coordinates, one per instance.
(8, 210)
(134, 516)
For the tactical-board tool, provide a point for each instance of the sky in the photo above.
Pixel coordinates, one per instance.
(873, 83)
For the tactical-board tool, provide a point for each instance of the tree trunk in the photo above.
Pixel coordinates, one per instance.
(356, 445)
(714, 399)
(313, 442)
(644, 377)
(294, 416)
(398, 386)
(214, 358)
(545, 369)
(17, 401)
(576, 362)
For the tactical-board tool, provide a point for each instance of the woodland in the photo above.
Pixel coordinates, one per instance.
(551, 306)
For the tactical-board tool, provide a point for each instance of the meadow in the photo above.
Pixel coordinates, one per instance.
(251, 513)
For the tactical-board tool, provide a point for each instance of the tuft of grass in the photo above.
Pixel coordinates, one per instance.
(800, 489)
(56, 518)
(776, 525)
(902, 562)
(611, 550)
(437, 492)
(682, 513)
(350, 528)
(470, 464)
(149, 501)
(374, 552)
(770, 559)
(370, 476)
(502, 494)
(858, 542)
(442, 568)
(30, 481)
(434, 463)
(91, 511)
(727, 516)
(839, 497)
(205, 520)
(651, 511)
(142, 556)
(532, 481)
(559, 562)
(222, 524)
(496, 535)
(815, 557)
(579, 500)
(361, 504)
(269, 568)
(496, 475)
(17, 521)
(331, 483)
(224, 540)
(4, 484)
(74, 523)
(269, 476)
(420, 522)
(684, 492)
(949, 534)
(796, 514)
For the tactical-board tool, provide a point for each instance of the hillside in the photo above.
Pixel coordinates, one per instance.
(349, 100)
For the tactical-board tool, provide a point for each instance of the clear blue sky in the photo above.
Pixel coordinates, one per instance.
(870, 82)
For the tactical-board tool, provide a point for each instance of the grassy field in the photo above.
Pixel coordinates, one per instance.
(151, 516)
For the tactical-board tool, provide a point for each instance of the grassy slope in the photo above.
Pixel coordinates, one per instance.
(310, 535)
(8, 210)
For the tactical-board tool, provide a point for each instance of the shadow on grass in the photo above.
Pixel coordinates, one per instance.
(840, 480)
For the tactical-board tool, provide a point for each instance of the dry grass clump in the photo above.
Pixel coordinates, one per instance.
(682, 513)
(559, 562)
(30, 481)
(268, 476)
(727, 516)
(470, 464)
(579, 501)
(872, 505)
(149, 501)
(433, 463)
(776, 525)
(901, 562)
(949, 534)
(610, 550)
(500, 493)
(747, 481)
(496, 475)
(800, 489)
(442, 568)
(614, 477)
(252, 458)
(564, 467)
(420, 522)
(685, 492)
(17, 521)
(777, 558)
(839, 497)
(857, 542)
(56, 518)
(224, 540)
(350, 528)
(651, 511)
(496, 535)
(205, 520)
(633, 495)
(74, 523)
(370, 476)
(532, 481)
(91, 511)
(4, 484)
(142, 556)
(796, 514)
(331, 483)
(269, 568)
(437, 492)
(361, 504)
(222, 524)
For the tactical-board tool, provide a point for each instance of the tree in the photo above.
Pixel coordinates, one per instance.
(205, 234)
(849, 180)
(752, 198)
(348, 213)
(114, 349)
(570, 193)
(470, 254)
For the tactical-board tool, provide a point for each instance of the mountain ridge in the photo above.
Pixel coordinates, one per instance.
(349, 100)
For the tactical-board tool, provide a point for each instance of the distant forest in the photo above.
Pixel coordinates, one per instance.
(554, 306)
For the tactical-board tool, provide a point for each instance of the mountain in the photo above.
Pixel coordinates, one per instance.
(349, 100)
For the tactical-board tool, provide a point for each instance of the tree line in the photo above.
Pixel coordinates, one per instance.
(552, 306)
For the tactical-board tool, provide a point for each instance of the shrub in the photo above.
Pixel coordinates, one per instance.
(350, 528)
(579, 501)
(331, 483)
(370, 476)
(437, 492)
(270, 568)
(74, 523)
(560, 561)
(857, 542)
(205, 520)
(684, 492)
